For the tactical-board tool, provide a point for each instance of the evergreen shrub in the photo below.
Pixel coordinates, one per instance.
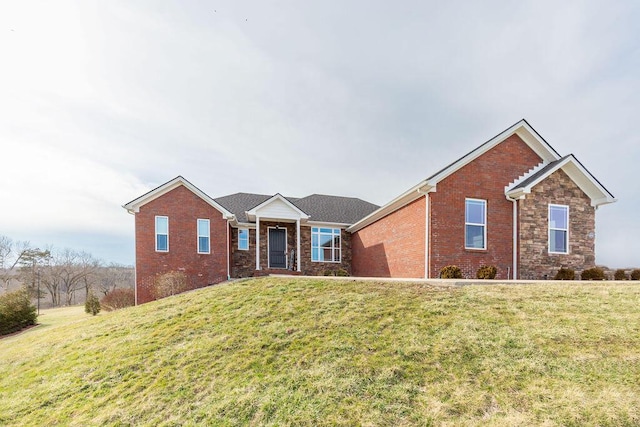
(451, 272)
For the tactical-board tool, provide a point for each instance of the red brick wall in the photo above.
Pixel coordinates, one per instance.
(392, 246)
(484, 178)
(183, 209)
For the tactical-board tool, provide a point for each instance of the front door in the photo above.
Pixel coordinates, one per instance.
(277, 248)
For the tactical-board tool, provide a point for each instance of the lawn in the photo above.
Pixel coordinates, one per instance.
(316, 352)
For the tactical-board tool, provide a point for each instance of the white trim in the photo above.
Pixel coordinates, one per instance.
(248, 238)
(332, 247)
(155, 235)
(557, 229)
(253, 213)
(134, 205)
(326, 224)
(521, 128)
(514, 268)
(135, 254)
(484, 226)
(402, 200)
(258, 243)
(578, 174)
(208, 236)
(427, 253)
(286, 246)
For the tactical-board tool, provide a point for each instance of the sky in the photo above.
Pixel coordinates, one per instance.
(103, 101)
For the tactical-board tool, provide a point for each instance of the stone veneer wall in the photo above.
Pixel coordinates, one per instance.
(535, 260)
(243, 263)
(312, 268)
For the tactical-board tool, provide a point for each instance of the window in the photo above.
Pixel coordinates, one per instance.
(325, 244)
(243, 239)
(475, 222)
(203, 236)
(162, 234)
(558, 229)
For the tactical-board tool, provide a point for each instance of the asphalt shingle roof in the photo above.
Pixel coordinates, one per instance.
(319, 207)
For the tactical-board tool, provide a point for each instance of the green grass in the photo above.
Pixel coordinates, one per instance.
(315, 352)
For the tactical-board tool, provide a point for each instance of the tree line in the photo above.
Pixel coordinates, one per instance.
(58, 275)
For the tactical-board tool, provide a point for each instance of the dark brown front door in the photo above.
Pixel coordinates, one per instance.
(277, 248)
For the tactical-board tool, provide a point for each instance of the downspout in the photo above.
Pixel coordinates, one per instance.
(298, 245)
(427, 243)
(515, 237)
(135, 257)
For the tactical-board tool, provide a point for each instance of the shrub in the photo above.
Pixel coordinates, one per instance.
(620, 275)
(595, 273)
(170, 283)
(92, 304)
(118, 298)
(635, 274)
(565, 274)
(16, 311)
(451, 272)
(487, 272)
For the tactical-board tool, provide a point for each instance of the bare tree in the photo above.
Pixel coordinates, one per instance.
(73, 270)
(11, 254)
(114, 276)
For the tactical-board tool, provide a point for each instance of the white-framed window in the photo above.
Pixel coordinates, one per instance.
(162, 234)
(204, 236)
(558, 229)
(325, 244)
(243, 239)
(475, 224)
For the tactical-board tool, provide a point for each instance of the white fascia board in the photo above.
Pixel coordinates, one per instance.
(237, 224)
(134, 205)
(579, 175)
(522, 129)
(326, 224)
(404, 199)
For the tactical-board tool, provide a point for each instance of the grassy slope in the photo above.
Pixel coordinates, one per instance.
(313, 352)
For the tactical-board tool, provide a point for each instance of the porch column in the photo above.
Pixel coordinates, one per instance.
(298, 242)
(257, 242)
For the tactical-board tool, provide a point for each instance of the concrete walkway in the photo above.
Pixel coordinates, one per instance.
(454, 282)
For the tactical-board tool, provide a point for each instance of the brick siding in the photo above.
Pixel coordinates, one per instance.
(393, 246)
(183, 208)
(485, 178)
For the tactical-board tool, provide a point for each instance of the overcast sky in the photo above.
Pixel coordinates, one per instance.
(101, 101)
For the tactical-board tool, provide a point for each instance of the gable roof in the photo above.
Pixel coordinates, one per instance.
(598, 194)
(528, 135)
(278, 199)
(134, 205)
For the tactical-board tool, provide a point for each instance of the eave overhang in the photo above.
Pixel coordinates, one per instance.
(598, 194)
(135, 205)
